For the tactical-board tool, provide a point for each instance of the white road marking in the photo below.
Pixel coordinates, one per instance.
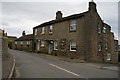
(64, 70)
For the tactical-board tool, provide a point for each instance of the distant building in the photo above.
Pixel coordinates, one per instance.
(84, 36)
(11, 41)
(24, 42)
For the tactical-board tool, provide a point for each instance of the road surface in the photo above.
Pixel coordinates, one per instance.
(31, 65)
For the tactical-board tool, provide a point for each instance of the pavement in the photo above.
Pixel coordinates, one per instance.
(7, 64)
(97, 65)
(32, 65)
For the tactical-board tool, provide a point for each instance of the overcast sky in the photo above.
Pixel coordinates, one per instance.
(19, 15)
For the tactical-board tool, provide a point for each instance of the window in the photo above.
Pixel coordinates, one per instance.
(104, 29)
(108, 57)
(50, 29)
(106, 46)
(35, 31)
(72, 46)
(99, 47)
(42, 30)
(15, 42)
(55, 45)
(73, 25)
(21, 42)
(42, 43)
(28, 42)
(99, 28)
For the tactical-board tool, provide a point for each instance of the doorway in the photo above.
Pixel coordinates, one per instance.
(50, 47)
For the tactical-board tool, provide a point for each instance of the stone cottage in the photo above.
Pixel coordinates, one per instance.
(24, 42)
(84, 36)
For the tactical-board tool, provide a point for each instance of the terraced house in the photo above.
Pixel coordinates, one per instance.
(84, 36)
(24, 42)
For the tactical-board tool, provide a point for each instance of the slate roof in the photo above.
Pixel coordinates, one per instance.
(25, 37)
(62, 19)
(12, 37)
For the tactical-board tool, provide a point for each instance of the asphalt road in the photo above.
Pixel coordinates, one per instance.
(31, 65)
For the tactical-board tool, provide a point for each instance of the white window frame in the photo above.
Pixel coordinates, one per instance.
(15, 42)
(36, 31)
(73, 25)
(42, 43)
(21, 42)
(99, 28)
(104, 29)
(50, 29)
(106, 45)
(43, 30)
(55, 45)
(28, 42)
(108, 57)
(99, 47)
(71, 45)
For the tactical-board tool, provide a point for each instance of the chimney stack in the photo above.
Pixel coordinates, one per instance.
(92, 6)
(23, 34)
(58, 15)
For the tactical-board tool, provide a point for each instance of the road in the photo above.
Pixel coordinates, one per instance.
(31, 65)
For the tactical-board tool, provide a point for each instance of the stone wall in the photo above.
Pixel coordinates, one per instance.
(3, 46)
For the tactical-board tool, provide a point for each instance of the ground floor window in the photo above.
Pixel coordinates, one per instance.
(55, 45)
(73, 46)
(99, 47)
(28, 42)
(108, 57)
(42, 43)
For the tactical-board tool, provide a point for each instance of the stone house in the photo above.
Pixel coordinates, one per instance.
(24, 42)
(84, 36)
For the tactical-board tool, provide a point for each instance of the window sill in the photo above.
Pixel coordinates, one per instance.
(55, 49)
(42, 33)
(50, 33)
(72, 30)
(73, 50)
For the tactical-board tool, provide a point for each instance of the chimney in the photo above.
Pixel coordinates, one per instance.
(23, 34)
(3, 33)
(92, 6)
(58, 15)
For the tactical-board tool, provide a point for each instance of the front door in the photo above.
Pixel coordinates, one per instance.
(50, 48)
(38, 46)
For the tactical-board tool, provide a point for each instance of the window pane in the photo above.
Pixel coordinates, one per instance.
(73, 46)
(50, 29)
(73, 25)
(42, 43)
(43, 30)
(99, 28)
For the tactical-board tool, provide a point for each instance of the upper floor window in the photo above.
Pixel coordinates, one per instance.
(73, 25)
(55, 45)
(104, 29)
(42, 43)
(50, 29)
(99, 28)
(73, 46)
(42, 30)
(35, 31)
